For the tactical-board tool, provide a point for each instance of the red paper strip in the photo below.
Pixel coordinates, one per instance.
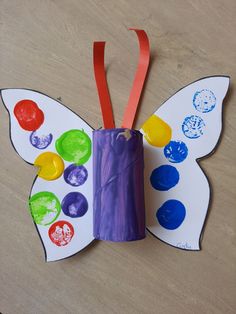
(103, 92)
(139, 79)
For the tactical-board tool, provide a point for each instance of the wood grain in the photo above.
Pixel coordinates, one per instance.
(47, 45)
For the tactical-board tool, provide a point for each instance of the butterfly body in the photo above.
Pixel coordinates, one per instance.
(118, 205)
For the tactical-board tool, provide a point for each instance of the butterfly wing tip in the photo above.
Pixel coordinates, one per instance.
(196, 248)
(227, 78)
(222, 78)
(49, 259)
(4, 89)
(1, 90)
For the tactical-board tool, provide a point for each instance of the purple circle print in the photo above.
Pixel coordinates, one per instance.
(74, 205)
(40, 141)
(75, 175)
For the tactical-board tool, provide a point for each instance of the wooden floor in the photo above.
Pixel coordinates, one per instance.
(47, 46)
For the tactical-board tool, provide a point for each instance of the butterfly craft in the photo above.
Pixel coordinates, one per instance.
(56, 140)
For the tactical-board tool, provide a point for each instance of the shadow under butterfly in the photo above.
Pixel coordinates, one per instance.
(184, 129)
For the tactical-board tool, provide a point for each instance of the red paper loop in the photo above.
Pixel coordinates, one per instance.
(135, 94)
(100, 78)
(139, 79)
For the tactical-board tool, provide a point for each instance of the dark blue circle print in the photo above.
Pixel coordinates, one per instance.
(193, 126)
(176, 151)
(40, 141)
(75, 175)
(204, 101)
(164, 177)
(171, 214)
(74, 205)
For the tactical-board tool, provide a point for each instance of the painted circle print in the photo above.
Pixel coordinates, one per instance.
(29, 116)
(45, 208)
(75, 175)
(40, 141)
(164, 178)
(74, 205)
(74, 146)
(51, 166)
(193, 126)
(176, 151)
(61, 232)
(171, 214)
(204, 101)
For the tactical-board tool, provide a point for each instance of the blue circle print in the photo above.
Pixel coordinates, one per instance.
(193, 126)
(176, 151)
(40, 141)
(171, 214)
(204, 101)
(164, 177)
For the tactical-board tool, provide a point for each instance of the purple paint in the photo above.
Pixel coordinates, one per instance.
(40, 141)
(75, 175)
(74, 205)
(119, 211)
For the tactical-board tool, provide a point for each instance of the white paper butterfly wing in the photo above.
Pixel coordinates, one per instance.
(186, 191)
(177, 192)
(62, 207)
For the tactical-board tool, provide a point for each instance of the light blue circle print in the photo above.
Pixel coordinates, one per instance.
(176, 151)
(204, 101)
(193, 126)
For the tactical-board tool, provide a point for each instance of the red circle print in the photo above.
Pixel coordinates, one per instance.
(61, 232)
(28, 115)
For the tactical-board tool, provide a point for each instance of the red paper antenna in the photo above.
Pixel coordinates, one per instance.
(100, 77)
(135, 94)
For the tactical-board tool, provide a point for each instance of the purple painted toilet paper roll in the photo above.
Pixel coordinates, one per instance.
(118, 165)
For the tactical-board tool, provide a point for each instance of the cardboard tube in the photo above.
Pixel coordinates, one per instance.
(118, 165)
